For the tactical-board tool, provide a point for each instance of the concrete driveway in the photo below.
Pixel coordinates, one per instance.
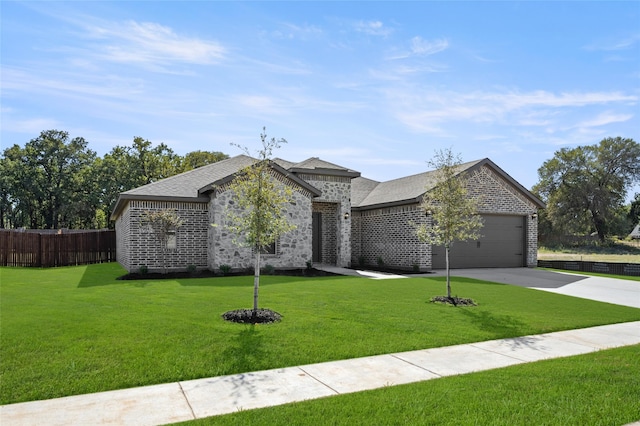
(610, 290)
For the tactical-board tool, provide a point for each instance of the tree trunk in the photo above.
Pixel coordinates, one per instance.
(256, 284)
(600, 225)
(446, 256)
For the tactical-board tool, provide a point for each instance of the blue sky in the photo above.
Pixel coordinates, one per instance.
(374, 86)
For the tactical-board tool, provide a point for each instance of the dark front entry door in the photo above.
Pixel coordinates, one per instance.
(317, 237)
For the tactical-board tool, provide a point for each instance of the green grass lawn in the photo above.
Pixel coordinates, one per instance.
(601, 388)
(75, 330)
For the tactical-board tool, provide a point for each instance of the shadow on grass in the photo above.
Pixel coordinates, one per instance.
(105, 274)
(101, 274)
(245, 351)
(463, 280)
(247, 280)
(500, 326)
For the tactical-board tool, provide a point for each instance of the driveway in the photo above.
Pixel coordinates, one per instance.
(610, 290)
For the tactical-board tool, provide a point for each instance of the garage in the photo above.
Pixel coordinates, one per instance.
(502, 245)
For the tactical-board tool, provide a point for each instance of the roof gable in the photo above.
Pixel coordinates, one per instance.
(317, 166)
(188, 183)
(410, 189)
(193, 184)
(404, 190)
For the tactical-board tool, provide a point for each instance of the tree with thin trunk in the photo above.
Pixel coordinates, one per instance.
(163, 223)
(257, 214)
(452, 214)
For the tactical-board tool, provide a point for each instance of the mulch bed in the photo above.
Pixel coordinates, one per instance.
(455, 301)
(246, 316)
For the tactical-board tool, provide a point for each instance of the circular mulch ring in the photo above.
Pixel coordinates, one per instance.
(246, 316)
(455, 301)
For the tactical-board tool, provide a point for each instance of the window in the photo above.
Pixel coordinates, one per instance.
(270, 249)
(171, 239)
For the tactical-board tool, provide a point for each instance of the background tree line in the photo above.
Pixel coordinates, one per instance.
(585, 189)
(57, 182)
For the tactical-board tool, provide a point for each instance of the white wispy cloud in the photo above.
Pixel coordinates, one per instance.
(30, 126)
(296, 31)
(617, 44)
(69, 84)
(376, 28)
(420, 47)
(603, 119)
(428, 112)
(150, 43)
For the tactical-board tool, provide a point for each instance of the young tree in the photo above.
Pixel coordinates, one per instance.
(258, 216)
(164, 223)
(585, 186)
(452, 213)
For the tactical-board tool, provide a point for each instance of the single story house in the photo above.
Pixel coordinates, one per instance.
(341, 219)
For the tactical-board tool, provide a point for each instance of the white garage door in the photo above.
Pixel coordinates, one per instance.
(502, 245)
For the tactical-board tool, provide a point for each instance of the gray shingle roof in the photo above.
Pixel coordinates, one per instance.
(184, 186)
(317, 165)
(283, 163)
(364, 193)
(188, 183)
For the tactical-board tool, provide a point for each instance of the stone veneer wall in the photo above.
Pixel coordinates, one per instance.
(336, 190)
(388, 235)
(141, 247)
(293, 250)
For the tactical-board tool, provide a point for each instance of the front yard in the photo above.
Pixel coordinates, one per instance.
(74, 330)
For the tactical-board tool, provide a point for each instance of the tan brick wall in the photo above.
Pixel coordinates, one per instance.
(123, 238)
(142, 248)
(388, 234)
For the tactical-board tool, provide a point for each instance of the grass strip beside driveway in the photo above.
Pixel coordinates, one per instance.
(74, 330)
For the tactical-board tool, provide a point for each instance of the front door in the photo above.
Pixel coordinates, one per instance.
(316, 241)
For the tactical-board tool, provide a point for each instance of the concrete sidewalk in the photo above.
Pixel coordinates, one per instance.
(194, 399)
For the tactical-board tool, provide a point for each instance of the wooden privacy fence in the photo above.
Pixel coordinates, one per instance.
(42, 248)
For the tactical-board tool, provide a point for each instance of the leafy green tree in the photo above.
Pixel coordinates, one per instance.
(55, 181)
(24, 195)
(44, 178)
(453, 214)
(6, 207)
(258, 216)
(634, 209)
(193, 160)
(584, 187)
(128, 167)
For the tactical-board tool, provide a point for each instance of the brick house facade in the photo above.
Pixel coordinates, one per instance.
(341, 219)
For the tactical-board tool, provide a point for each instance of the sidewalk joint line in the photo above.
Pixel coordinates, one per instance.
(416, 365)
(499, 353)
(318, 380)
(193, 414)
